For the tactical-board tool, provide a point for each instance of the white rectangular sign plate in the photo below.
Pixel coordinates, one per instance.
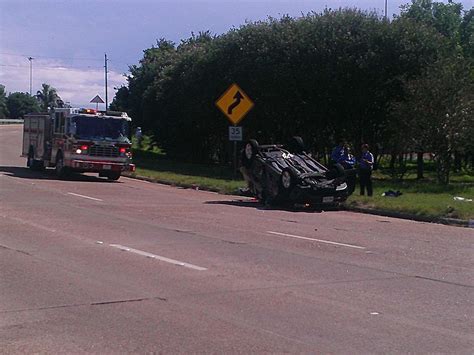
(235, 133)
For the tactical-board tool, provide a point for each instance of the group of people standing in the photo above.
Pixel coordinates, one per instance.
(342, 154)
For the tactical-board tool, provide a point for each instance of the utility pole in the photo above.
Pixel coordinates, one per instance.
(386, 9)
(31, 73)
(106, 96)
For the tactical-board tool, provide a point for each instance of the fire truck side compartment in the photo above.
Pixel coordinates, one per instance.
(37, 135)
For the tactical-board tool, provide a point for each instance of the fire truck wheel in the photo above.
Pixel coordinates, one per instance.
(113, 176)
(61, 170)
(32, 163)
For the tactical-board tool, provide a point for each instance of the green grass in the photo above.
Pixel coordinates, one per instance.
(421, 198)
(214, 177)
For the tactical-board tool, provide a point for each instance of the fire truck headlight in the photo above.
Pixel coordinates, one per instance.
(78, 151)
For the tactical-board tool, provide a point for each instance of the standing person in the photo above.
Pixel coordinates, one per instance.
(337, 154)
(348, 162)
(366, 164)
(139, 136)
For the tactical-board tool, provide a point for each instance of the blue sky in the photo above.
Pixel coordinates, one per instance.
(68, 38)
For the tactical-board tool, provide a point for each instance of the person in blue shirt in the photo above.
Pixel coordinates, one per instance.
(366, 164)
(337, 154)
(348, 161)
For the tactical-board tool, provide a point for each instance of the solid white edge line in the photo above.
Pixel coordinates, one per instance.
(88, 197)
(318, 240)
(158, 257)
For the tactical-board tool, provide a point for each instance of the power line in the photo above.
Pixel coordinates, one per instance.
(47, 68)
(46, 57)
(65, 58)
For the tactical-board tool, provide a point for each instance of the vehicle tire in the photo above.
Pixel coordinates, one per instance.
(249, 152)
(33, 164)
(113, 176)
(287, 180)
(61, 170)
(296, 145)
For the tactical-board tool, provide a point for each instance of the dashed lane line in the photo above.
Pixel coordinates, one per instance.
(83, 196)
(158, 257)
(318, 240)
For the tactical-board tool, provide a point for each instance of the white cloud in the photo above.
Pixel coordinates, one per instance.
(75, 84)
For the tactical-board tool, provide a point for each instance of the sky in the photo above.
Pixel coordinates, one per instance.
(67, 39)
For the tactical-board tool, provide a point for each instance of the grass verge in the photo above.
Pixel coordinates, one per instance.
(217, 178)
(425, 199)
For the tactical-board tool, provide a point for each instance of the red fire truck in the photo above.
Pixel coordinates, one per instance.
(80, 140)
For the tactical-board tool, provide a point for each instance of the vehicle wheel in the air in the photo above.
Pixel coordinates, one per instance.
(113, 176)
(61, 170)
(249, 152)
(296, 145)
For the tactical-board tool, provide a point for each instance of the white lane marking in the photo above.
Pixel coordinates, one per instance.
(162, 258)
(318, 240)
(90, 198)
(31, 224)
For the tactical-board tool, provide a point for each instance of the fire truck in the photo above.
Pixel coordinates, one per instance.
(78, 140)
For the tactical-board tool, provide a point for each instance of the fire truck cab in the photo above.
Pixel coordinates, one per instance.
(80, 140)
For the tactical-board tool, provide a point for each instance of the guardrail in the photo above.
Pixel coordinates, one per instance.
(8, 121)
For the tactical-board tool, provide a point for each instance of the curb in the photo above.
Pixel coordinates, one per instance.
(401, 215)
(377, 212)
(170, 183)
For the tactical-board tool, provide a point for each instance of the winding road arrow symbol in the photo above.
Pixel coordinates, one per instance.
(238, 97)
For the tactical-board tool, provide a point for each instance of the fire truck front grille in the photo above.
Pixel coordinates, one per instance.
(103, 151)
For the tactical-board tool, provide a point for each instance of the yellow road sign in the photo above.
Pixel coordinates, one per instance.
(235, 104)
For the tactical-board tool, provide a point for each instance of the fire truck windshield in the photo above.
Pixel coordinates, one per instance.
(100, 128)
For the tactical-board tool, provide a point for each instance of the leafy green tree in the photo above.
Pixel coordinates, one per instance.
(321, 76)
(141, 95)
(437, 114)
(467, 34)
(120, 101)
(19, 104)
(3, 103)
(446, 18)
(48, 97)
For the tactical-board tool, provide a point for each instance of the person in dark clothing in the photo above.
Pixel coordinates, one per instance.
(366, 163)
(338, 152)
(348, 162)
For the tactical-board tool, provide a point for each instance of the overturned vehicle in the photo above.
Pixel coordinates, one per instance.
(287, 175)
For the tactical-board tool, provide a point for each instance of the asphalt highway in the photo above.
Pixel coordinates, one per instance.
(91, 266)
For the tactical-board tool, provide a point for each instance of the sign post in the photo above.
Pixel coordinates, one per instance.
(235, 135)
(235, 104)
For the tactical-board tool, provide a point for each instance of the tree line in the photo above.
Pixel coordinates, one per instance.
(17, 104)
(404, 85)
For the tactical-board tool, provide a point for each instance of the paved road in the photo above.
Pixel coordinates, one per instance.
(92, 266)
